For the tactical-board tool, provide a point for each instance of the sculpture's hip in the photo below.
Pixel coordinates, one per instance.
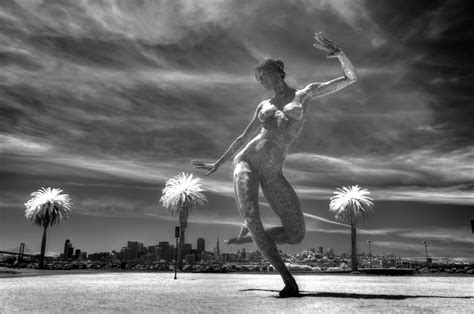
(264, 155)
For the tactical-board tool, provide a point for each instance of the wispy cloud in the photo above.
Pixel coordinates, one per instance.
(447, 235)
(425, 176)
(22, 145)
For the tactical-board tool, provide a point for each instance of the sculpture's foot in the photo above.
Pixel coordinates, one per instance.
(231, 241)
(240, 239)
(290, 291)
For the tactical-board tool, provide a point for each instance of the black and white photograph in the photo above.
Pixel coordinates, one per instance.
(209, 156)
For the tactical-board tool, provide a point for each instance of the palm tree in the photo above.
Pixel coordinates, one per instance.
(47, 208)
(180, 195)
(350, 205)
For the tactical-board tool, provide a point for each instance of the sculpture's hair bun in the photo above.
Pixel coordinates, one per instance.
(280, 64)
(270, 65)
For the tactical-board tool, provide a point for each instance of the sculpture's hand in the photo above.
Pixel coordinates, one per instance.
(329, 46)
(282, 119)
(199, 164)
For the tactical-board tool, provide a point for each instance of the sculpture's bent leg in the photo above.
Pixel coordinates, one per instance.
(283, 200)
(246, 185)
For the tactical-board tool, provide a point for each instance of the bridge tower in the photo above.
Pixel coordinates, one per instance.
(20, 253)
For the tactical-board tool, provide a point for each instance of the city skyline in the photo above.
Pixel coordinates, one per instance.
(107, 101)
(75, 250)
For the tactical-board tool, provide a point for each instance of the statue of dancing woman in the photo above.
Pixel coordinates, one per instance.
(260, 152)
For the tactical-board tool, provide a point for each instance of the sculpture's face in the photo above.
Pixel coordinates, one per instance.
(269, 79)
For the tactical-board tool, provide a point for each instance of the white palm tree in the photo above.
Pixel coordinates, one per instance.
(47, 208)
(350, 205)
(180, 195)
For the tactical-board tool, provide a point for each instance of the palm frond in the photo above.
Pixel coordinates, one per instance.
(182, 192)
(48, 207)
(350, 204)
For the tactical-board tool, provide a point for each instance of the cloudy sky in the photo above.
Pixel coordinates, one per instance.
(109, 99)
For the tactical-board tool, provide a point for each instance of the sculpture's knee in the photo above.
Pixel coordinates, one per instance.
(297, 235)
(254, 225)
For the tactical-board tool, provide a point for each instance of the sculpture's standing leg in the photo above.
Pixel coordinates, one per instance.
(246, 185)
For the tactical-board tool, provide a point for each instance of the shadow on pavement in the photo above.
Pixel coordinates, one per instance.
(304, 294)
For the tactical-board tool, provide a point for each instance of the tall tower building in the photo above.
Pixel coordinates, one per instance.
(70, 251)
(217, 247)
(67, 243)
(200, 245)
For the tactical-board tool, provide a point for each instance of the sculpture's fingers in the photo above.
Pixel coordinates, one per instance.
(319, 47)
(330, 43)
(319, 40)
(318, 35)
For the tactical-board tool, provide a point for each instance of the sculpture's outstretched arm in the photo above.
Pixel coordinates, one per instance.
(234, 148)
(314, 90)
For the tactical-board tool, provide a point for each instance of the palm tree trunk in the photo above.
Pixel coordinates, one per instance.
(183, 222)
(43, 249)
(354, 246)
(181, 246)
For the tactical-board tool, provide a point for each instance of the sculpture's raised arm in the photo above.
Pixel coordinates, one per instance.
(314, 90)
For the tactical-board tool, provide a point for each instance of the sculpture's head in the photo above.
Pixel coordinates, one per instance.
(270, 73)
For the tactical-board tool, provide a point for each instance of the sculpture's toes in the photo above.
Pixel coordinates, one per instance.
(231, 241)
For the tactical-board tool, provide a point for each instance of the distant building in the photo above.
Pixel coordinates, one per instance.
(156, 251)
(77, 253)
(217, 250)
(255, 256)
(172, 252)
(389, 261)
(187, 249)
(143, 253)
(242, 254)
(226, 257)
(166, 253)
(136, 249)
(99, 256)
(329, 252)
(126, 253)
(206, 256)
(66, 245)
(200, 245)
(190, 258)
(82, 256)
(321, 250)
(68, 250)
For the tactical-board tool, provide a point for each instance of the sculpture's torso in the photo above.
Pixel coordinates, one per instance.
(267, 151)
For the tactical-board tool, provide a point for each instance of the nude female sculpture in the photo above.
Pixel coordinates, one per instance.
(260, 152)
